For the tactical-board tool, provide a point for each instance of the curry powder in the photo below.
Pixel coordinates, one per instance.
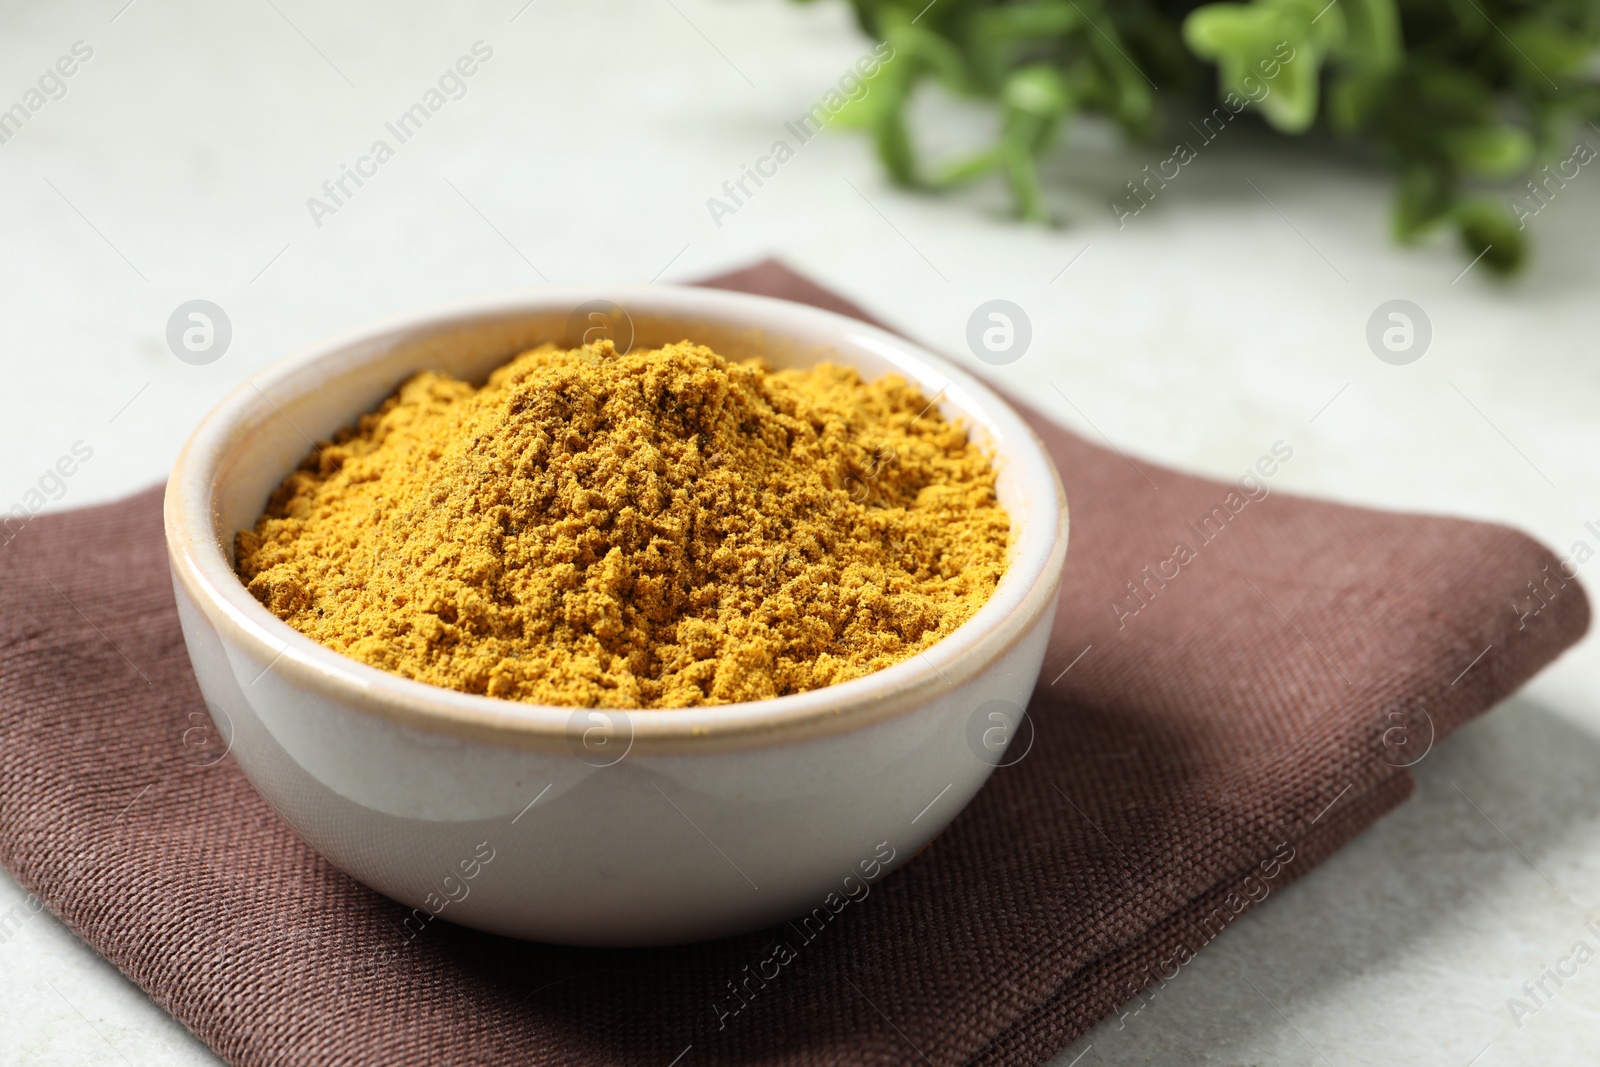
(654, 529)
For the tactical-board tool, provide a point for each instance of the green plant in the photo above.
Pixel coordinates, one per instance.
(1460, 98)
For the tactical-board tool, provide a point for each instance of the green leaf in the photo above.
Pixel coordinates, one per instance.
(1289, 101)
(1023, 174)
(1129, 93)
(885, 90)
(1355, 97)
(1490, 151)
(1487, 229)
(888, 123)
(1551, 50)
(1036, 90)
(1422, 201)
(924, 51)
(964, 170)
(999, 34)
(1269, 52)
(1372, 35)
(894, 148)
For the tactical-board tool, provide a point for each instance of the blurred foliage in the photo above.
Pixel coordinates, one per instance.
(1460, 98)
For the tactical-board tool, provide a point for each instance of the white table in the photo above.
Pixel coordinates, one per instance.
(178, 165)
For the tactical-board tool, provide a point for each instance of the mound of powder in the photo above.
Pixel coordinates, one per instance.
(657, 529)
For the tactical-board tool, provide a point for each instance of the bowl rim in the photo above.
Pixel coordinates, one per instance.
(201, 568)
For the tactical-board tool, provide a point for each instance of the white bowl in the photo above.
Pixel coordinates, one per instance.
(590, 827)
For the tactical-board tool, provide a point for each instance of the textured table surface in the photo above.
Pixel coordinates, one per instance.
(1229, 314)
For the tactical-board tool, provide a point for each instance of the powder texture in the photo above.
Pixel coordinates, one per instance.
(657, 529)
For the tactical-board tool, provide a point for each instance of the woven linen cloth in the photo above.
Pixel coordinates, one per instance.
(1209, 726)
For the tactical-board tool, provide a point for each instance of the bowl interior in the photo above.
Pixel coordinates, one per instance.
(253, 439)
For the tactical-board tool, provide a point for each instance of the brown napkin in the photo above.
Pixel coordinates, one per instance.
(1201, 738)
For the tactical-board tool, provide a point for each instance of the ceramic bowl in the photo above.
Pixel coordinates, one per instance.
(581, 826)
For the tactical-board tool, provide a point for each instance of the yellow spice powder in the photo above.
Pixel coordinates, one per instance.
(658, 529)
